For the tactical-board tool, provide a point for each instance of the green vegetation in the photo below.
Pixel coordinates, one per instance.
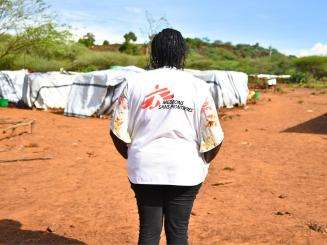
(37, 43)
(128, 47)
(314, 65)
(241, 57)
(312, 83)
(87, 40)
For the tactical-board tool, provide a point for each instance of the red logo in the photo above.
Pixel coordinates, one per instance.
(156, 98)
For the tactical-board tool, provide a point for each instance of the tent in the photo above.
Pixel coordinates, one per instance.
(11, 84)
(228, 88)
(270, 80)
(95, 93)
(47, 90)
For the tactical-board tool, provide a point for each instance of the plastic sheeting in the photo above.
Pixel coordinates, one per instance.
(47, 90)
(11, 85)
(86, 94)
(96, 92)
(228, 88)
(271, 80)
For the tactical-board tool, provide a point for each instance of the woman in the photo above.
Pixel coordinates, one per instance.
(167, 126)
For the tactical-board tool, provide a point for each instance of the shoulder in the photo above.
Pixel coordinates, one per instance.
(201, 86)
(133, 79)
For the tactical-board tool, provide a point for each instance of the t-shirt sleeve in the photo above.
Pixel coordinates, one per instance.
(211, 133)
(120, 120)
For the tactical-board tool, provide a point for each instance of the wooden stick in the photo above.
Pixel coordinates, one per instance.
(17, 129)
(10, 122)
(24, 159)
(19, 124)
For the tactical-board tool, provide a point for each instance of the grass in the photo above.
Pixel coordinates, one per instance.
(206, 57)
(315, 84)
(85, 61)
(40, 64)
(97, 60)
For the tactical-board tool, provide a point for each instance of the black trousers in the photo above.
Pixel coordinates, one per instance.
(171, 204)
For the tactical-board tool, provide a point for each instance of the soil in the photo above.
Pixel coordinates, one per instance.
(267, 185)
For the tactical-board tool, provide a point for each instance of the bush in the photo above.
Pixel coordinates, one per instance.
(299, 77)
(316, 65)
(195, 43)
(89, 68)
(38, 64)
(220, 54)
(201, 64)
(104, 60)
(129, 48)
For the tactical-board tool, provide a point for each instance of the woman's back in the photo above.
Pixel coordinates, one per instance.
(164, 107)
(166, 124)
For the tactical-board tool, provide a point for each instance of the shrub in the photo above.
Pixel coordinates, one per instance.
(316, 65)
(129, 48)
(38, 64)
(299, 77)
(104, 60)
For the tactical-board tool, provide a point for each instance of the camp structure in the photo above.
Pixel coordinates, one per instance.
(79, 94)
(47, 90)
(228, 88)
(11, 85)
(95, 93)
(268, 79)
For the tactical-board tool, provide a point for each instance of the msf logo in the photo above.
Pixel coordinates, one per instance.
(155, 98)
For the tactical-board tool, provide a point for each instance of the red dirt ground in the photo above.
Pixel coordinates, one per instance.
(266, 185)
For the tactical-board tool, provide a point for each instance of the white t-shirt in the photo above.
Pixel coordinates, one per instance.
(168, 118)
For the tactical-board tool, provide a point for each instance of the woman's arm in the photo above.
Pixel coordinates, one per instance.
(211, 133)
(120, 145)
(210, 155)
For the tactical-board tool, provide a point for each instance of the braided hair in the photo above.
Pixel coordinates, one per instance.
(168, 48)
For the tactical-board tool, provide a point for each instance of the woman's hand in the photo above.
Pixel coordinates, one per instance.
(210, 155)
(120, 145)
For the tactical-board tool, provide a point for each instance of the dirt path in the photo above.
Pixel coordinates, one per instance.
(266, 186)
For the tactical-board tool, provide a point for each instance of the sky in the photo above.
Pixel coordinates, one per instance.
(297, 27)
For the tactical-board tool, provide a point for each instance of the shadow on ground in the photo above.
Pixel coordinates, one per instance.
(11, 233)
(316, 125)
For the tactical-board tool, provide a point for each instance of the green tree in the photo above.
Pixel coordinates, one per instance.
(128, 47)
(130, 37)
(315, 65)
(88, 40)
(105, 42)
(26, 24)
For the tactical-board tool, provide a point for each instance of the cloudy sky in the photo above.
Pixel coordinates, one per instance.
(296, 27)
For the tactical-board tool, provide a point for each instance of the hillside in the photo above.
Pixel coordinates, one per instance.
(224, 56)
(202, 55)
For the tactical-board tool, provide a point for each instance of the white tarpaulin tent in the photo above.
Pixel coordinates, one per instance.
(11, 85)
(271, 79)
(47, 90)
(96, 92)
(228, 88)
(86, 94)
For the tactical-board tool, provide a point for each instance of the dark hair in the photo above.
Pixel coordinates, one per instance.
(168, 48)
